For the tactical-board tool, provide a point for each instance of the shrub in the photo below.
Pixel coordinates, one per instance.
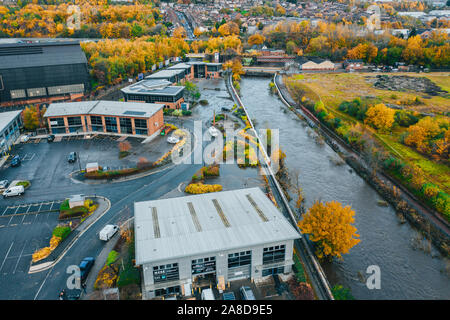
(106, 277)
(61, 232)
(186, 112)
(341, 293)
(199, 188)
(203, 102)
(25, 184)
(112, 257)
(177, 113)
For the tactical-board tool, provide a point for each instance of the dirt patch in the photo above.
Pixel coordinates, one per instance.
(406, 83)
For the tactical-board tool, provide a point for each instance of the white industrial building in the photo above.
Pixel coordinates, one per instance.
(217, 237)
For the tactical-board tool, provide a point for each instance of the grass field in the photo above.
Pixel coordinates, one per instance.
(332, 89)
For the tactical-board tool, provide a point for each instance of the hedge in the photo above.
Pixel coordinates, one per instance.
(61, 232)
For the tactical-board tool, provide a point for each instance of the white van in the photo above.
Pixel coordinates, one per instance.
(14, 191)
(108, 231)
(207, 294)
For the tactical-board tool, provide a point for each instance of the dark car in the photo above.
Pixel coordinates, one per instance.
(228, 296)
(226, 109)
(50, 138)
(86, 266)
(72, 157)
(15, 161)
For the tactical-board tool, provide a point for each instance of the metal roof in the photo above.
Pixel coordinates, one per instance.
(181, 66)
(153, 87)
(24, 55)
(107, 108)
(7, 117)
(195, 225)
(164, 74)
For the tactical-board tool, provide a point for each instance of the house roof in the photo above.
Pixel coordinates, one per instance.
(195, 225)
(153, 87)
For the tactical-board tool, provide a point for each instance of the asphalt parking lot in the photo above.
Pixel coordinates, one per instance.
(30, 208)
(45, 164)
(20, 236)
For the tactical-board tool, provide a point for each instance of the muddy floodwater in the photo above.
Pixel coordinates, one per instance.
(407, 271)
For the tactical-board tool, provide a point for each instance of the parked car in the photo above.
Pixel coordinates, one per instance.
(108, 232)
(213, 131)
(24, 138)
(72, 157)
(228, 296)
(50, 138)
(15, 161)
(173, 140)
(4, 184)
(247, 293)
(226, 109)
(86, 266)
(13, 191)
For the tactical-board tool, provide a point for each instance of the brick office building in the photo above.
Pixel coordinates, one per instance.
(105, 116)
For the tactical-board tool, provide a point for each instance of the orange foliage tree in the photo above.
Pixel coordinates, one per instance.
(330, 226)
(380, 117)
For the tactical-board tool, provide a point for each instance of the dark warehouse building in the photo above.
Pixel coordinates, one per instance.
(42, 72)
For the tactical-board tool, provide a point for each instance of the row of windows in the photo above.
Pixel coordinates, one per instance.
(153, 99)
(39, 92)
(273, 254)
(203, 265)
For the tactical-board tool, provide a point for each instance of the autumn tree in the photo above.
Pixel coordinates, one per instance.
(330, 226)
(256, 39)
(301, 290)
(380, 117)
(229, 28)
(179, 32)
(31, 117)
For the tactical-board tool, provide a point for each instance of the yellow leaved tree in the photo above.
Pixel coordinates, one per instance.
(380, 117)
(330, 226)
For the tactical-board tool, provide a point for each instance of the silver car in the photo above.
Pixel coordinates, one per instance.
(4, 184)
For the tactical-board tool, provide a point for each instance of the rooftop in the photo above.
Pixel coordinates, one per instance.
(153, 87)
(200, 224)
(7, 117)
(164, 74)
(23, 55)
(179, 66)
(109, 108)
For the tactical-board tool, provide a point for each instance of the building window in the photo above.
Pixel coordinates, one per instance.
(111, 124)
(97, 124)
(272, 271)
(166, 272)
(36, 92)
(203, 265)
(239, 259)
(57, 122)
(125, 125)
(17, 94)
(274, 254)
(140, 123)
(167, 291)
(74, 121)
(142, 132)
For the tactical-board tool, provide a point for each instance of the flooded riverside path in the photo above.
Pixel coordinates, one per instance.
(406, 272)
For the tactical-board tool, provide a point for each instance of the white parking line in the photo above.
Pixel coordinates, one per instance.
(5, 210)
(6, 255)
(18, 207)
(17, 263)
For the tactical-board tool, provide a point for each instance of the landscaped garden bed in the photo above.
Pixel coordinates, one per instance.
(58, 235)
(65, 212)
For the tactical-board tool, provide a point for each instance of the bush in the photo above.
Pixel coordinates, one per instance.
(112, 257)
(177, 113)
(25, 184)
(203, 102)
(341, 293)
(61, 232)
(405, 119)
(186, 112)
(199, 188)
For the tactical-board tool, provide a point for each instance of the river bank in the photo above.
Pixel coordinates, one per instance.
(406, 272)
